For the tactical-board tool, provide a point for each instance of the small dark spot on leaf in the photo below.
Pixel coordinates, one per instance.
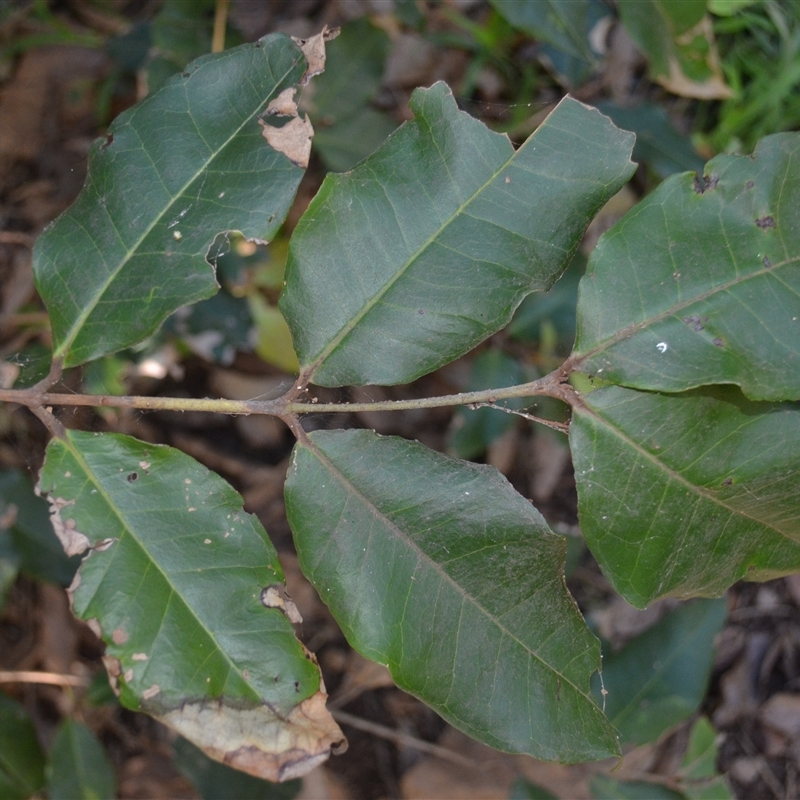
(749, 185)
(727, 482)
(186, 75)
(134, 476)
(271, 218)
(706, 183)
(717, 342)
(766, 262)
(258, 44)
(107, 142)
(694, 321)
(297, 686)
(422, 311)
(765, 222)
(276, 678)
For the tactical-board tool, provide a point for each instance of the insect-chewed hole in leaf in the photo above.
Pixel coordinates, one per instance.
(766, 222)
(133, 477)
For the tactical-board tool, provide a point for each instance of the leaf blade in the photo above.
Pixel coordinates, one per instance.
(699, 283)
(133, 246)
(653, 471)
(400, 553)
(431, 243)
(174, 581)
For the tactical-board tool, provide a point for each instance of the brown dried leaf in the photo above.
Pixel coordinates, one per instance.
(258, 740)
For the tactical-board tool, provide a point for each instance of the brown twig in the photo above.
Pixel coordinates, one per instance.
(50, 678)
(403, 739)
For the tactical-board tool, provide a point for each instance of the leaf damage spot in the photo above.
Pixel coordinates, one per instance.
(139, 657)
(155, 689)
(294, 138)
(694, 322)
(276, 596)
(119, 636)
(766, 222)
(260, 741)
(705, 183)
(717, 342)
(662, 347)
(314, 50)
(72, 540)
(133, 477)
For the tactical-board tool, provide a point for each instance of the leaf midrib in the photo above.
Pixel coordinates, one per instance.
(89, 308)
(376, 512)
(89, 472)
(631, 330)
(670, 472)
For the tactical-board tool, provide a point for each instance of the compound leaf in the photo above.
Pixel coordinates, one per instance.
(700, 282)
(440, 570)
(685, 494)
(186, 164)
(427, 247)
(173, 583)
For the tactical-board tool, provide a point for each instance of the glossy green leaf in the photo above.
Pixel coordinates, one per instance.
(700, 282)
(21, 757)
(685, 494)
(214, 781)
(604, 787)
(661, 676)
(173, 581)
(346, 128)
(428, 246)
(185, 164)
(440, 570)
(79, 766)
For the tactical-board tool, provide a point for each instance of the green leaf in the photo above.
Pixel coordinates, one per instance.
(346, 129)
(185, 164)
(173, 581)
(660, 677)
(562, 23)
(27, 522)
(21, 757)
(678, 39)
(603, 787)
(438, 569)
(427, 247)
(685, 494)
(700, 759)
(214, 780)
(181, 32)
(79, 766)
(523, 789)
(699, 283)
